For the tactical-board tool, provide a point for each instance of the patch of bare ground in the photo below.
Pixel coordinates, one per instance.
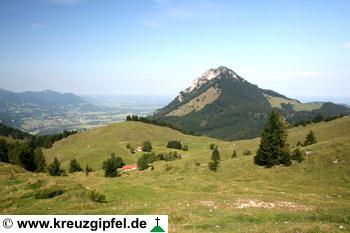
(246, 203)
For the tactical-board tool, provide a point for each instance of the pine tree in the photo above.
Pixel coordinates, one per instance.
(215, 156)
(128, 118)
(273, 149)
(87, 169)
(74, 166)
(310, 138)
(40, 161)
(215, 160)
(54, 169)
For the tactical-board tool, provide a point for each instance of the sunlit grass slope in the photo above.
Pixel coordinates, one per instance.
(94, 146)
(313, 196)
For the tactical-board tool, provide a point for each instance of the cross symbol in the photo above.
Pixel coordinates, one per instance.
(157, 219)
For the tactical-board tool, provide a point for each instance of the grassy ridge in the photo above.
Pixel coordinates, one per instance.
(94, 146)
(313, 196)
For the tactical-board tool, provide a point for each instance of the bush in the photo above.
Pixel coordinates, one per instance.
(174, 144)
(160, 156)
(128, 146)
(112, 164)
(147, 146)
(247, 152)
(97, 197)
(145, 161)
(168, 167)
(297, 155)
(132, 150)
(212, 146)
(234, 155)
(54, 169)
(185, 148)
(48, 192)
(213, 165)
(171, 156)
(74, 166)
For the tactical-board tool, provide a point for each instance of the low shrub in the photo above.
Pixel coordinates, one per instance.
(97, 197)
(48, 192)
(247, 152)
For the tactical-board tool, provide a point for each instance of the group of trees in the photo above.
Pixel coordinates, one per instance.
(54, 168)
(27, 153)
(22, 154)
(316, 119)
(174, 144)
(159, 123)
(146, 160)
(35, 141)
(274, 149)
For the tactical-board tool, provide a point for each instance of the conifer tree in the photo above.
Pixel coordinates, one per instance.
(273, 149)
(215, 156)
(74, 166)
(40, 161)
(310, 138)
(87, 169)
(215, 160)
(54, 169)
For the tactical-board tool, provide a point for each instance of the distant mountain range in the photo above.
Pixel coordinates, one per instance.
(50, 112)
(48, 99)
(16, 107)
(222, 104)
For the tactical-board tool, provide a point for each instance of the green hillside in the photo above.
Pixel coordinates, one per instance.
(223, 105)
(313, 196)
(94, 146)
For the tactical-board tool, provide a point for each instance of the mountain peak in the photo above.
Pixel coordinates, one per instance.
(210, 75)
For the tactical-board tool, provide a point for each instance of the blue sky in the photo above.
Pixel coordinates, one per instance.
(298, 48)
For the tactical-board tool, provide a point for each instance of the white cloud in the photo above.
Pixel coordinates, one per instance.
(347, 45)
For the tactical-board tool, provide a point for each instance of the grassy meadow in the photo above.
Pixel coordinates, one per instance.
(312, 196)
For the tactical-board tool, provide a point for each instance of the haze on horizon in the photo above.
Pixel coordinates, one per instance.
(157, 47)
